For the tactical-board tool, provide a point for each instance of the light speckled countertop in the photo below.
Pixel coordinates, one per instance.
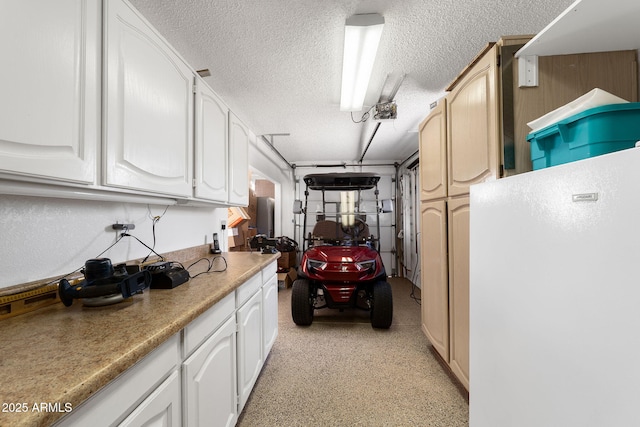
(64, 354)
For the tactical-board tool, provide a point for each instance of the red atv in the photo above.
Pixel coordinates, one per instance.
(341, 265)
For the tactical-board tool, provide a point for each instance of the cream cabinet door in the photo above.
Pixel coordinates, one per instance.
(211, 150)
(434, 276)
(458, 227)
(50, 86)
(472, 127)
(148, 141)
(238, 162)
(210, 380)
(433, 154)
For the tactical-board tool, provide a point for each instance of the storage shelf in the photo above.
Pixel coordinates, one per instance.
(589, 26)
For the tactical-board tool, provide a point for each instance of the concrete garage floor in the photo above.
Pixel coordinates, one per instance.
(341, 372)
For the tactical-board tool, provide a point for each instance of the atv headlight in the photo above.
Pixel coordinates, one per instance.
(367, 265)
(313, 264)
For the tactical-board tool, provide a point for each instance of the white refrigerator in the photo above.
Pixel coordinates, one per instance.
(555, 296)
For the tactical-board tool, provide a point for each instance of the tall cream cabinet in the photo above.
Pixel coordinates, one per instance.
(435, 275)
(433, 152)
(477, 133)
(50, 86)
(472, 126)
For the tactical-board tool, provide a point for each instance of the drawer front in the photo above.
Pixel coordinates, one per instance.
(269, 271)
(207, 323)
(111, 404)
(244, 292)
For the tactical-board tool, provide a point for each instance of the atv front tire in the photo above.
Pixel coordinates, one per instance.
(382, 305)
(301, 303)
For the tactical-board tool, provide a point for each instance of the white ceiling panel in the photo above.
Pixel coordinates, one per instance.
(277, 63)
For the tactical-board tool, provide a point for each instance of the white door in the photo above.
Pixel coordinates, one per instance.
(270, 313)
(210, 380)
(148, 108)
(250, 345)
(238, 162)
(161, 409)
(50, 86)
(211, 152)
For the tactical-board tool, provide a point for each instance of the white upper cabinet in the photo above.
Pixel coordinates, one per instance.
(148, 109)
(239, 136)
(49, 86)
(211, 148)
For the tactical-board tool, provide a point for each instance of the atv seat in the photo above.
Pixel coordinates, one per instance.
(328, 230)
(331, 230)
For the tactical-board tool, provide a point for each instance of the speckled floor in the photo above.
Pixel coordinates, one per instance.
(341, 372)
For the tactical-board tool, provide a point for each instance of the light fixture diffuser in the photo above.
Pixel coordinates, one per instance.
(361, 39)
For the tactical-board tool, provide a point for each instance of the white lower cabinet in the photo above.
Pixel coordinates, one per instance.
(250, 346)
(137, 388)
(269, 313)
(161, 408)
(210, 380)
(204, 379)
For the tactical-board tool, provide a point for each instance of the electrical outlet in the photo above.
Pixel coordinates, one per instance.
(123, 227)
(223, 224)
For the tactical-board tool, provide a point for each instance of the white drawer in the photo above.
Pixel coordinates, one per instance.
(207, 323)
(112, 403)
(245, 291)
(269, 271)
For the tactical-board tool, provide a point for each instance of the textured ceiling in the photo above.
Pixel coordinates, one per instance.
(277, 63)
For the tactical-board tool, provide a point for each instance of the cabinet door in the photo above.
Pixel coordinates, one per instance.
(434, 277)
(148, 109)
(161, 408)
(210, 380)
(250, 345)
(49, 81)
(472, 127)
(458, 227)
(211, 153)
(433, 154)
(238, 162)
(270, 313)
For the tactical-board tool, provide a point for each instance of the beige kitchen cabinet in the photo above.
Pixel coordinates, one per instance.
(148, 108)
(483, 121)
(50, 86)
(458, 240)
(433, 154)
(434, 275)
(472, 126)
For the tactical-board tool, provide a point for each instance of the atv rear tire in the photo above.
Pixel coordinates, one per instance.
(382, 305)
(301, 303)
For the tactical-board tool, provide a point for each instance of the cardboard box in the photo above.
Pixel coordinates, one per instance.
(236, 215)
(286, 279)
(287, 260)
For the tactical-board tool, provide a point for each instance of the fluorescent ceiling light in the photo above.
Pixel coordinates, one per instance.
(361, 38)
